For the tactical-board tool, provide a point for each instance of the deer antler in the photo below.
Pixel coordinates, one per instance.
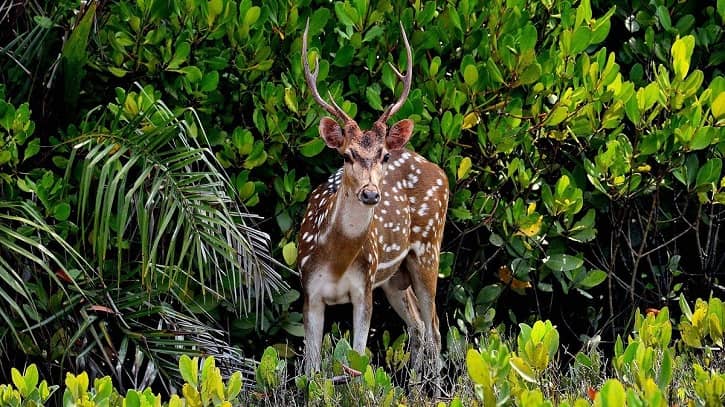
(311, 78)
(407, 81)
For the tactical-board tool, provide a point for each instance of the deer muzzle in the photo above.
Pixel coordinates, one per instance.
(369, 195)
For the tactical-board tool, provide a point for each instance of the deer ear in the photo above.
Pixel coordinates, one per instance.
(399, 134)
(331, 132)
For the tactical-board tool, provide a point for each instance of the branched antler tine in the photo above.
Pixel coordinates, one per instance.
(338, 108)
(397, 72)
(407, 80)
(311, 79)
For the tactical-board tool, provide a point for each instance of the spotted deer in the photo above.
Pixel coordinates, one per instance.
(377, 222)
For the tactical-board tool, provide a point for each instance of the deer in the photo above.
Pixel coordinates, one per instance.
(376, 222)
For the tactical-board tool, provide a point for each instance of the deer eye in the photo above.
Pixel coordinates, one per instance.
(386, 157)
(346, 156)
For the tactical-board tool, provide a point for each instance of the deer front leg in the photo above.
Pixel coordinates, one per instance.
(313, 312)
(362, 310)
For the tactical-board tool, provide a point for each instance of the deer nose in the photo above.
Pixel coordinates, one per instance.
(369, 196)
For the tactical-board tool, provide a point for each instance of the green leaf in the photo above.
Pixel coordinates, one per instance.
(528, 37)
(5, 157)
(663, 15)
(445, 265)
(117, 72)
(489, 294)
(234, 385)
(210, 81)
(319, 19)
(344, 14)
(267, 369)
(632, 110)
(214, 8)
(494, 71)
(252, 15)
(523, 369)
(709, 173)
(612, 394)
(289, 252)
(581, 39)
(31, 378)
(593, 278)
(189, 369)
(718, 106)
(583, 13)
(61, 211)
(681, 54)
(563, 262)
(74, 57)
(312, 147)
(43, 22)
(531, 74)
(192, 73)
(180, 55)
(18, 379)
(290, 99)
(464, 168)
(665, 376)
(344, 55)
(557, 116)
(257, 157)
(685, 307)
(478, 369)
(373, 33)
(358, 361)
(601, 27)
(470, 75)
(704, 136)
(133, 399)
(243, 140)
(32, 148)
(294, 328)
(372, 93)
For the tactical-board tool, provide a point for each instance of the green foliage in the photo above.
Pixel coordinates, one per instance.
(16, 131)
(647, 358)
(107, 301)
(269, 369)
(709, 387)
(203, 387)
(489, 369)
(583, 142)
(492, 378)
(27, 390)
(537, 346)
(707, 320)
(74, 57)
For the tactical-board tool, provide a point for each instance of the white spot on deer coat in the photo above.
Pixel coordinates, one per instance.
(423, 209)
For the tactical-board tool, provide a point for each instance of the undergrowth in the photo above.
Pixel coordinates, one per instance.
(648, 368)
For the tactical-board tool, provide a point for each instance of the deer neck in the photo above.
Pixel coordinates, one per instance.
(351, 220)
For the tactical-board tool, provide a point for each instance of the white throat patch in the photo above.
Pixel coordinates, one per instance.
(354, 217)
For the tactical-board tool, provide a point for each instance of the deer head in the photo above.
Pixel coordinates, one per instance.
(365, 152)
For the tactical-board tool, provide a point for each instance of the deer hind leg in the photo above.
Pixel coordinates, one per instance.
(404, 302)
(423, 269)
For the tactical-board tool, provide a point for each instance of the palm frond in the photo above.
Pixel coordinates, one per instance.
(31, 249)
(154, 337)
(147, 182)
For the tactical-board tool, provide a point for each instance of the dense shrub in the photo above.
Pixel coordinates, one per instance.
(583, 142)
(652, 370)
